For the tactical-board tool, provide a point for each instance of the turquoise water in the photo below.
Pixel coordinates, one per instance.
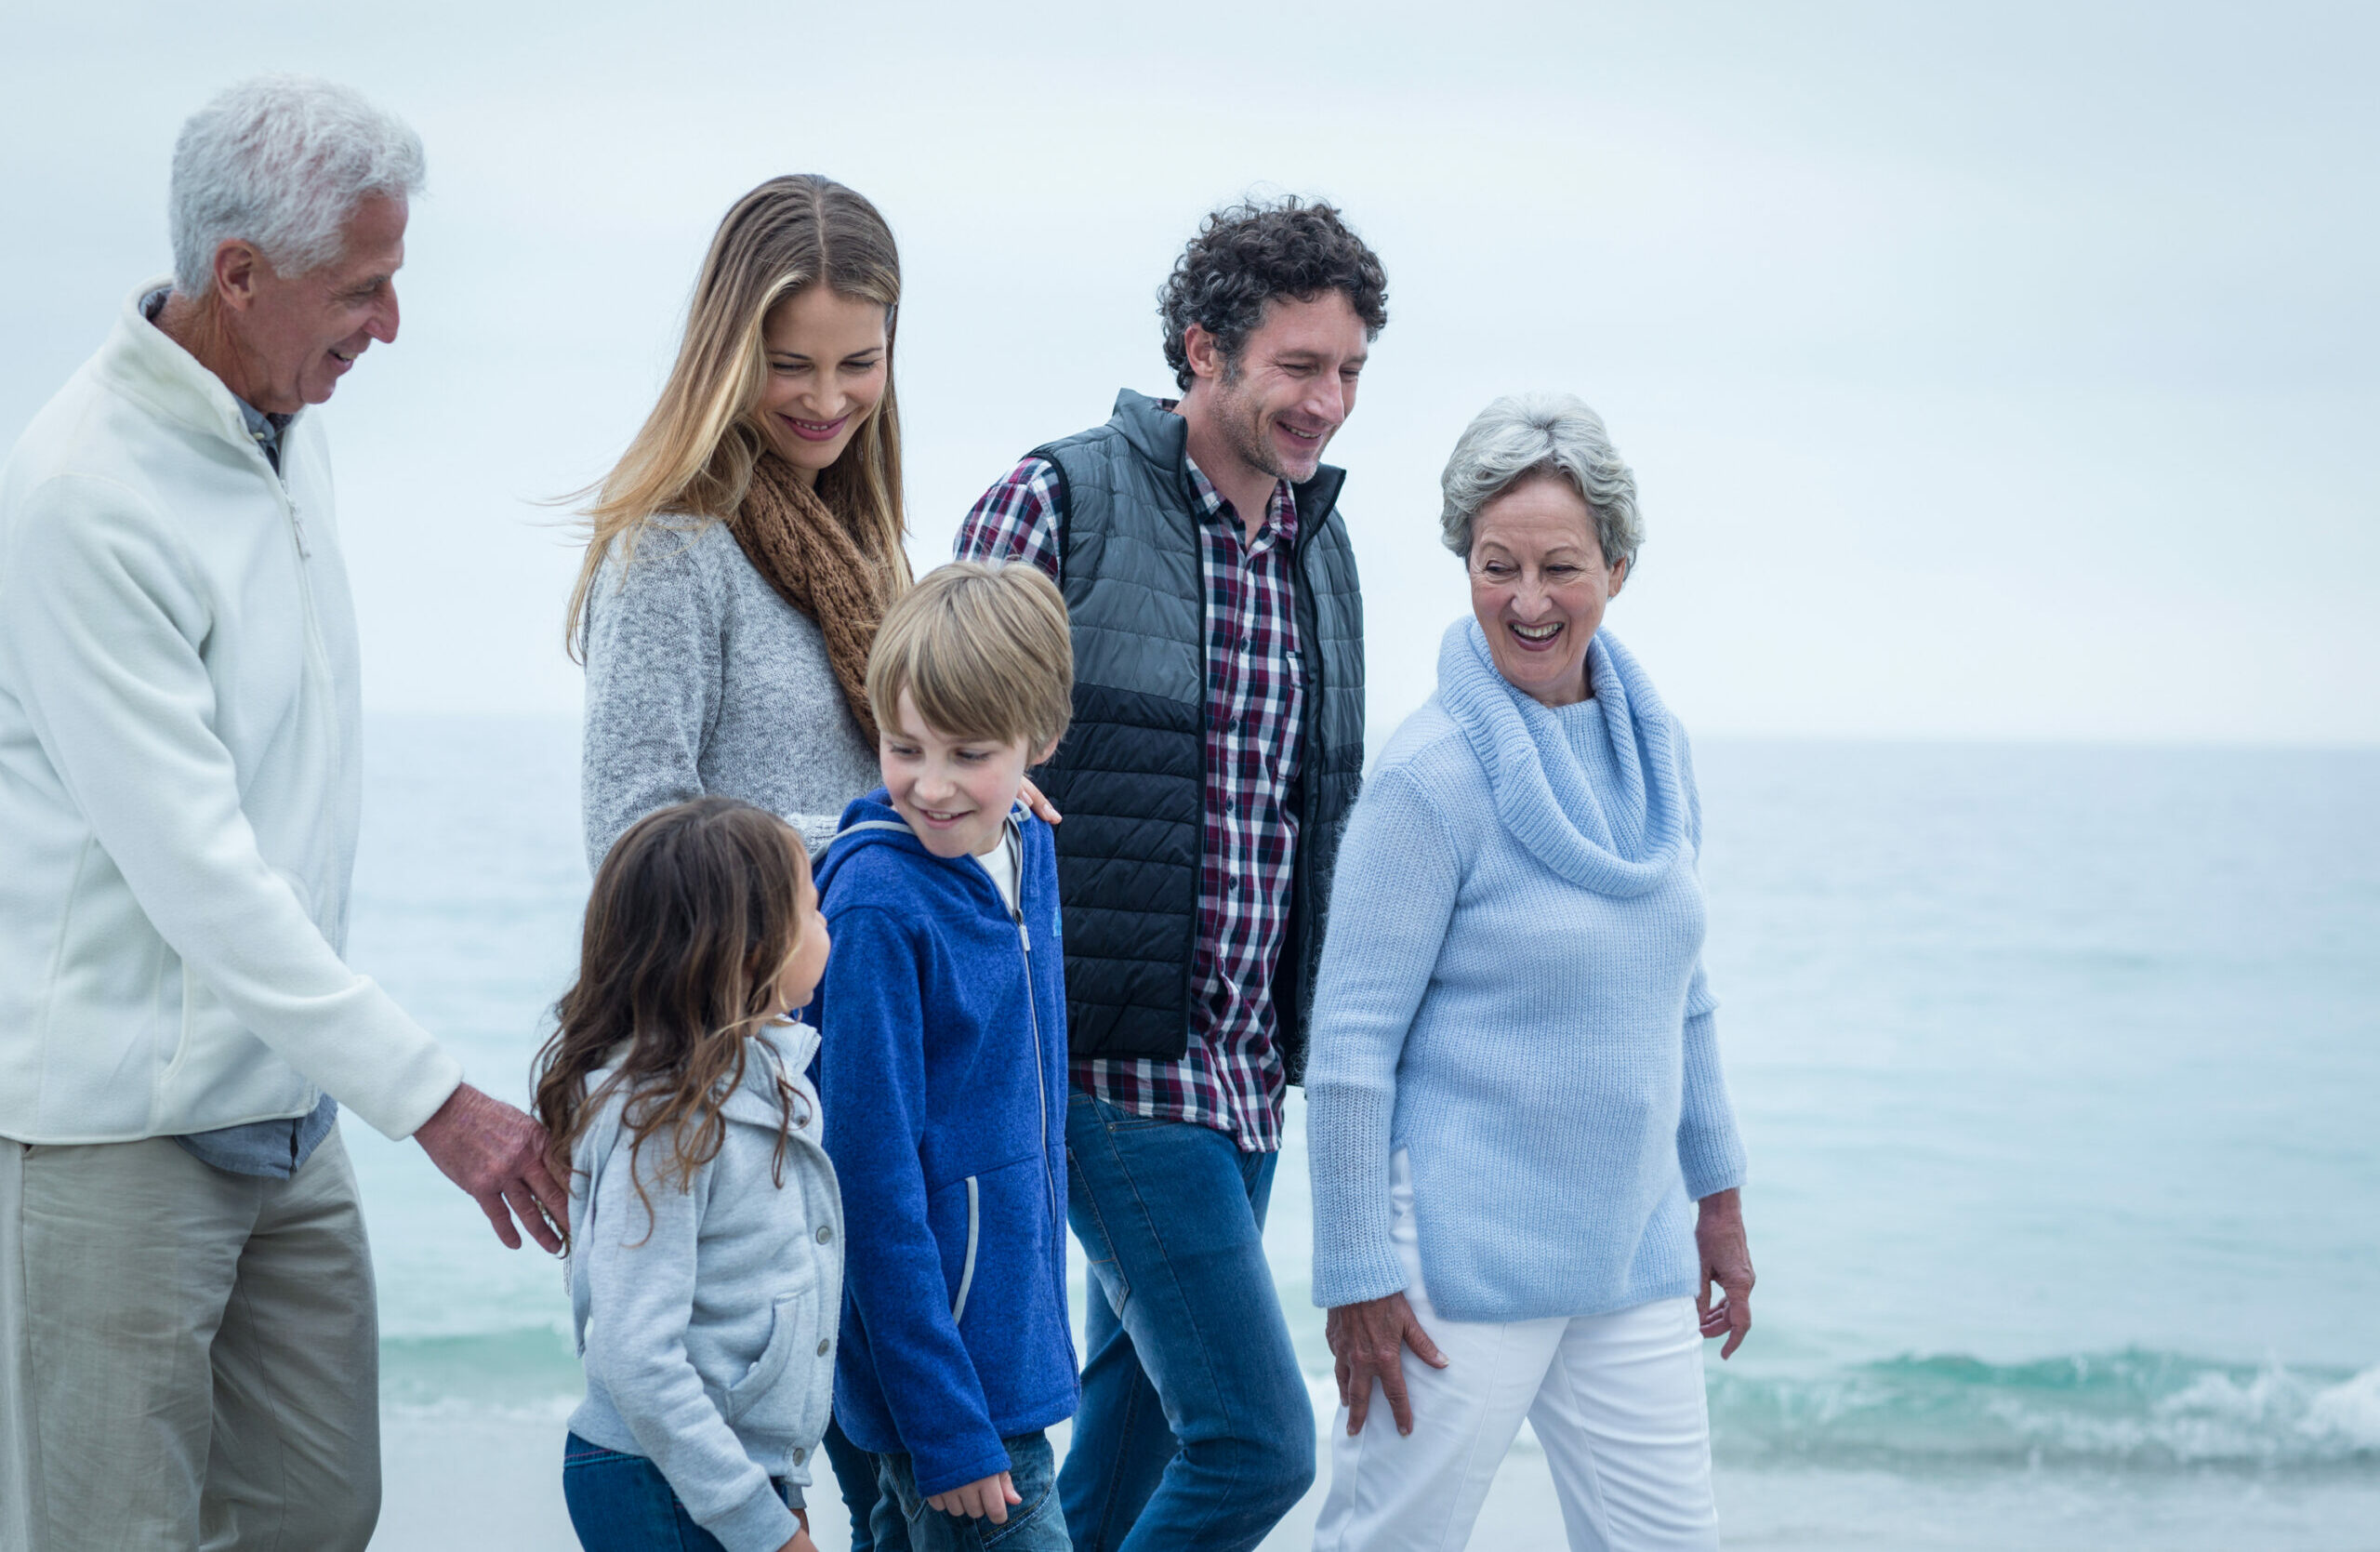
(2057, 1066)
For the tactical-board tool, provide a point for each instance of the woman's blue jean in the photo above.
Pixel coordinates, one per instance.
(1195, 1429)
(623, 1503)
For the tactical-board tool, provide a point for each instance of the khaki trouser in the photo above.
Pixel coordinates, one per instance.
(187, 1357)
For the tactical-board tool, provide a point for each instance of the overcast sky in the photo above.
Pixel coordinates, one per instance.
(1989, 371)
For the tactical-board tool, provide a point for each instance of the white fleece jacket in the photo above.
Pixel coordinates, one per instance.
(179, 773)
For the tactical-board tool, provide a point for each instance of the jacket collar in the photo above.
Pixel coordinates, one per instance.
(1163, 438)
(142, 362)
(871, 821)
(783, 1048)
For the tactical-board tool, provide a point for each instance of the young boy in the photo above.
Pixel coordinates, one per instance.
(945, 1069)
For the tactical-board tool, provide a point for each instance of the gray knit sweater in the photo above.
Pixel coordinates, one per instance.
(701, 681)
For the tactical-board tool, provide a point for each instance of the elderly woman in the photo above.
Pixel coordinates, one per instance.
(1515, 1087)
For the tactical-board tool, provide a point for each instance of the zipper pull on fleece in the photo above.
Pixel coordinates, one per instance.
(297, 526)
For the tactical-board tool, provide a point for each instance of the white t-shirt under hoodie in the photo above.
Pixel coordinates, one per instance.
(1000, 863)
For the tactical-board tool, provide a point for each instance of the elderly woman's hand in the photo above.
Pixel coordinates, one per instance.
(1367, 1343)
(1726, 1260)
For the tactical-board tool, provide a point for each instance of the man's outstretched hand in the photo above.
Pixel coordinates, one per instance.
(497, 1155)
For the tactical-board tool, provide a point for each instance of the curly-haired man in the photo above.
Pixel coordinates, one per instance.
(1217, 742)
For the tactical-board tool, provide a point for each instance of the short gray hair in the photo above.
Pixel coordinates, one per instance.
(1523, 435)
(282, 161)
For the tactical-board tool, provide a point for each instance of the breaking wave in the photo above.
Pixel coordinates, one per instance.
(2131, 1410)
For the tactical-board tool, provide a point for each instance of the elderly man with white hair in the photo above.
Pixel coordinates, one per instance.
(1516, 1100)
(188, 1334)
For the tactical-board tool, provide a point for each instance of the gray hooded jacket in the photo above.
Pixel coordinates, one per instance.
(708, 1328)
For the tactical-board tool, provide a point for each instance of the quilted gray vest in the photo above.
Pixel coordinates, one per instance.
(1130, 776)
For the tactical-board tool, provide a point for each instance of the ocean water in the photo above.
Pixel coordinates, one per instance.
(2058, 1068)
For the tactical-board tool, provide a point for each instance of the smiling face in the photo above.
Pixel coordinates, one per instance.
(1278, 405)
(1539, 585)
(954, 793)
(293, 337)
(828, 363)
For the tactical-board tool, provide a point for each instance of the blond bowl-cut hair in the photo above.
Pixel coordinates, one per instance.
(984, 651)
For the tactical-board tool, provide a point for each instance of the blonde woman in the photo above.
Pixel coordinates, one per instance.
(746, 548)
(747, 545)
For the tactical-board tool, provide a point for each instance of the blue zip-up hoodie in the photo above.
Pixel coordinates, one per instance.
(945, 1086)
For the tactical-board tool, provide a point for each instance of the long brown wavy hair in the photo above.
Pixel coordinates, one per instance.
(694, 914)
(693, 456)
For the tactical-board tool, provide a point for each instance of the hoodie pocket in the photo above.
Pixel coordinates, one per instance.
(957, 1214)
(974, 1245)
(786, 1382)
(1014, 1318)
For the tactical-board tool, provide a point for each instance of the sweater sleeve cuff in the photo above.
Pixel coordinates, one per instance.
(415, 1076)
(942, 1474)
(761, 1523)
(1356, 1278)
(1711, 1159)
(1710, 1147)
(1348, 1151)
(1717, 1169)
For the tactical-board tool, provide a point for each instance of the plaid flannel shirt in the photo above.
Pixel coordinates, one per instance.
(1230, 1078)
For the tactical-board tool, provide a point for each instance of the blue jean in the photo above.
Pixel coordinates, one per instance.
(1195, 1428)
(623, 1503)
(1034, 1525)
(855, 1474)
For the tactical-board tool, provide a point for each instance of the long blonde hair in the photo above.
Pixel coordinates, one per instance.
(695, 452)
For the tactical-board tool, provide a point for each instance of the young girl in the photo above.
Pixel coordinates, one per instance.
(706, 1235)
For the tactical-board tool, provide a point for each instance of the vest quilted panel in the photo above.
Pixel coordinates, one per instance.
(1130, 777)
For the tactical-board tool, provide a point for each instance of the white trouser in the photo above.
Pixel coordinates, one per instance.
(1615, 1400)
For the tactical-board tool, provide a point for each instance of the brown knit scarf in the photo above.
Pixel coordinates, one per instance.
(808, 556)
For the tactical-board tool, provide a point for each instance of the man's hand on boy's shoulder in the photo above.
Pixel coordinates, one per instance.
(985, 1498)
(1031, 797)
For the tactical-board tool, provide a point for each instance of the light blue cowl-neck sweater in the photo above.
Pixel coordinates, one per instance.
(1513, 992)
